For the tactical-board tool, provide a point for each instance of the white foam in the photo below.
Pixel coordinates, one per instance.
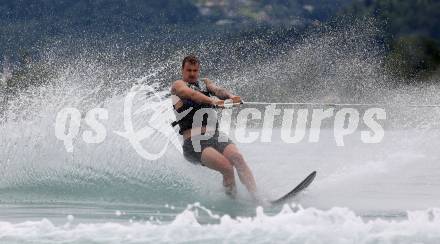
(291, 225)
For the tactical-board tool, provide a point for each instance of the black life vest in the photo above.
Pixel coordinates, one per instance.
(186, 122)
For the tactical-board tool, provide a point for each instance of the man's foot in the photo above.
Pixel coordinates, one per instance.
(260, 200)
(231, 191)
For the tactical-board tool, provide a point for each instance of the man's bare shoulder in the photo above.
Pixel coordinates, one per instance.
(207, 81)
(176, 84)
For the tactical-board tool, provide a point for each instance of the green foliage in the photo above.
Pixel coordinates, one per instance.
(412, 33)
(403, 17)
(414, 57)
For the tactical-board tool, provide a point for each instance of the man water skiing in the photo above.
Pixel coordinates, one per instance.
(220, 155)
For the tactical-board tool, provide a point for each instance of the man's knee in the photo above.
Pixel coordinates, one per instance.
(237, 159)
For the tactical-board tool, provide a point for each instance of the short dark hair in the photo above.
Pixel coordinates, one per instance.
(192, 59)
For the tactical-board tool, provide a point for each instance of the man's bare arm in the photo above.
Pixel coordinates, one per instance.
(220, 92)
(180, 89)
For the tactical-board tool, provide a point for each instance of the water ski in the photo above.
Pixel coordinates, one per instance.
(299, 188)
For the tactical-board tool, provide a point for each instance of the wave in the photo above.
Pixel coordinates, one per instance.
(293, 224)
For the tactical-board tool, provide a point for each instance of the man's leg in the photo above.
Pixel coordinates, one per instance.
(212, 159)
(244, 172)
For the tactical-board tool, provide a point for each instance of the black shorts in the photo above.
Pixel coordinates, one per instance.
(193, 153)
